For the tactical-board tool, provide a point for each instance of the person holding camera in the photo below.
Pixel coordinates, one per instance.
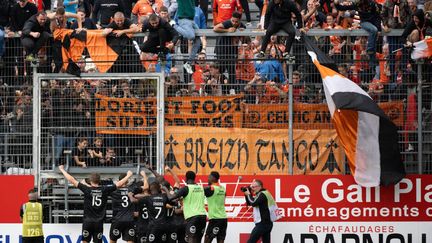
(264, 211)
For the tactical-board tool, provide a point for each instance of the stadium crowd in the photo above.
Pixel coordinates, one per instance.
(253, 66)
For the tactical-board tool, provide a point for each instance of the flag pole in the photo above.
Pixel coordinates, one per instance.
(419, 117)
(290, 61)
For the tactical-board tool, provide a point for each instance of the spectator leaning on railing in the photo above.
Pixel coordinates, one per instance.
(227, 48)
(120, 26)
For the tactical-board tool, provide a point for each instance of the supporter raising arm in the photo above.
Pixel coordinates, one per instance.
(95, 201)
(174, 175)
(74, 182)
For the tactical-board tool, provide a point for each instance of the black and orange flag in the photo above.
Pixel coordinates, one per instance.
(72, 47)
(104, 51)
(368, 136)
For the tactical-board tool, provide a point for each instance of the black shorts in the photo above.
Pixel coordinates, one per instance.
(195, 227)
(37, 239)
(217, 229)
(92, 230)
(141, 231)
(126, 230)
(141, 237)
(158, 233)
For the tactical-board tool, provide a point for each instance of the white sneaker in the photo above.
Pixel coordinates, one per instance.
(172, 22)
(188, 68)
(248, 24)
(410, 148)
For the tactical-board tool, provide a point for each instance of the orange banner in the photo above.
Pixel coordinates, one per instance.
(305, 116)
(138, 116)
(210, 111)
(251, 151)
(125, 115)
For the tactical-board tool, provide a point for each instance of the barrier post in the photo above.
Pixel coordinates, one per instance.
(160, 124)
(36, 126)
(290, 61)
(419, 118)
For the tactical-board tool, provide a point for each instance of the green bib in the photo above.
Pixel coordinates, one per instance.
(273, 208)
(216, 203)
(193, 203)
(32, 220)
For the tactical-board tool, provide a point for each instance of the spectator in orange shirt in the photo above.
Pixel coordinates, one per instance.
(298, 89)
(384, 65)
(144, 8)
(336, 42)
(245, 69)
(360, 54)
(223, 10)
(312, 17)
(200, 67)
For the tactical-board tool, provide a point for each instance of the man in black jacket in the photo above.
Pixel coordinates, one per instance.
(35, 34)
(162, 36)
(264, 212)
(278, 17)
(20, 13)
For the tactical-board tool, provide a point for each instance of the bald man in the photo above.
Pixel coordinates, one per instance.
(120, 26)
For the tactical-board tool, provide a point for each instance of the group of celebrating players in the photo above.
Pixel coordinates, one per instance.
(152, 210)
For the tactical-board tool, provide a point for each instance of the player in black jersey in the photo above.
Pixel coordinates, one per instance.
(95, 199)
(142, 222)
(123, 215)
(175, 213)
(141, 212)
(156, 203)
